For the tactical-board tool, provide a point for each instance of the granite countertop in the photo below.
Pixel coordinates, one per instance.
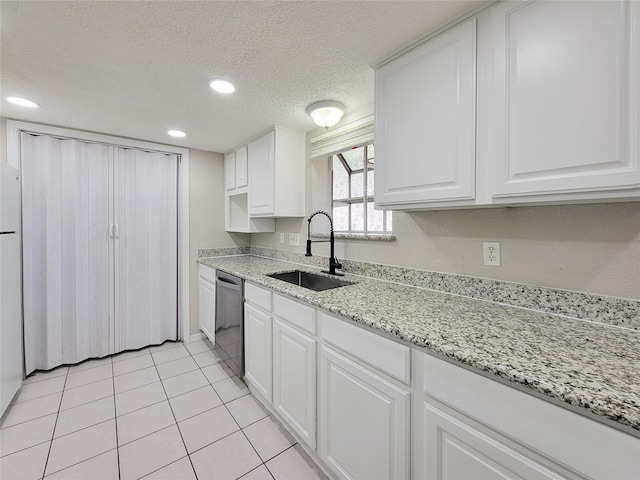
(592, 368)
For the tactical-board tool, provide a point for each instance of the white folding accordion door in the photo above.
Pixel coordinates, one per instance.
(99, 249)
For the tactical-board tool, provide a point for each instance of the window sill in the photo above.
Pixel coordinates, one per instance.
(380, 237)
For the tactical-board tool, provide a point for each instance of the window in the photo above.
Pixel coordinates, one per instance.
(352, 193)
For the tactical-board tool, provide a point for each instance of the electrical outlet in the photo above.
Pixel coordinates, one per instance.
(281, 237)
(491, 253)
(294, 239)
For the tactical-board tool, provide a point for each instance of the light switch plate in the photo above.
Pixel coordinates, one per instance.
(281, 237)
(294, 239)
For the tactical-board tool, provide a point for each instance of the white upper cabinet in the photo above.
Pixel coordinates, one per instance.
(241, 177)
(276, 164)
(230, 171)
(564, 99)
(555, 89)
(425, 122)
(235, 169)
(262, 173)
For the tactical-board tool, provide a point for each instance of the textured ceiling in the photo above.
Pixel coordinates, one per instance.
(137, 69)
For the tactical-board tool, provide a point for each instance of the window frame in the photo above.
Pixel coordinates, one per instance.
(364, 199)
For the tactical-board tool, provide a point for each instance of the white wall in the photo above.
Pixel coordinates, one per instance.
(588, 248)
(206, 217)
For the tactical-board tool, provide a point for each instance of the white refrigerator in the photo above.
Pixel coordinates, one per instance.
(11, 357)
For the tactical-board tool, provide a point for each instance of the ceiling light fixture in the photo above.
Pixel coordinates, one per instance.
(177, 133)
(22, 102)
(222, 86)
(326, 113)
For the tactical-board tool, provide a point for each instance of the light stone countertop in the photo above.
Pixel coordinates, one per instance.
(591, 368)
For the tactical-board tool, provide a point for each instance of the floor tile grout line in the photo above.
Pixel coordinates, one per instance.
(280, 453)
(165, 466)
(285, 450)
(33, 382)
(223, 404)
(175, 419)
(216, 441)
(199, 413)
(178, 374)
(147, 435)
(84, 428)
(36, 398)
(88, 383)
(241, 429)
(115, 420)
(86, 403)
(55, 424)
(142, 408)
(253, 470)
(34, 418)
(25, 448)
(81, 461)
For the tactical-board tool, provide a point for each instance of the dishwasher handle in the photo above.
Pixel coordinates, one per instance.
(224, 283)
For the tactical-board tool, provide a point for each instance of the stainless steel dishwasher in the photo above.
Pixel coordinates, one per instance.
(229, 319)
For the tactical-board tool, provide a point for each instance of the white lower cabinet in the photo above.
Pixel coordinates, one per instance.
(207, 301)
(363, 421)
(467, 426)
(294, 380)
(455, 450)
(257, 349)
(367, 407)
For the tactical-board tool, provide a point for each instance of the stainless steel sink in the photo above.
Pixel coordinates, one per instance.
(311, 281)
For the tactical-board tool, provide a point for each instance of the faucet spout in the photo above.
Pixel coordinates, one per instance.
(333, 261)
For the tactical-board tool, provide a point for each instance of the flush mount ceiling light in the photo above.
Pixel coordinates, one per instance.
(177, 133)
(327, 113)
(222, 86)
(22, 102)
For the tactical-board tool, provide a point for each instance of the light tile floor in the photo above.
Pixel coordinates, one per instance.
(175, 411)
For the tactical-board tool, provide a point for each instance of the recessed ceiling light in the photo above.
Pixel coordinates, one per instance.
(23, 102)
(177, 133)
(222, 86)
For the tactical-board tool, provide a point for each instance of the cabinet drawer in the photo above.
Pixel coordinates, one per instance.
(207, 272)
(382, 353)
(258, 296)
(295, 313)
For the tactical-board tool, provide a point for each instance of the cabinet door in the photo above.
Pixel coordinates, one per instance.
(230, 171)
(241, 167)
(261, 175)
(425, 121)
(565, 97)
(257, 349)
(294, 380)
(363, 421)
(454, 450)
(207, 307)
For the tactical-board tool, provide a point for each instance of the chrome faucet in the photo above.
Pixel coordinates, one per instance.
(333, 261)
